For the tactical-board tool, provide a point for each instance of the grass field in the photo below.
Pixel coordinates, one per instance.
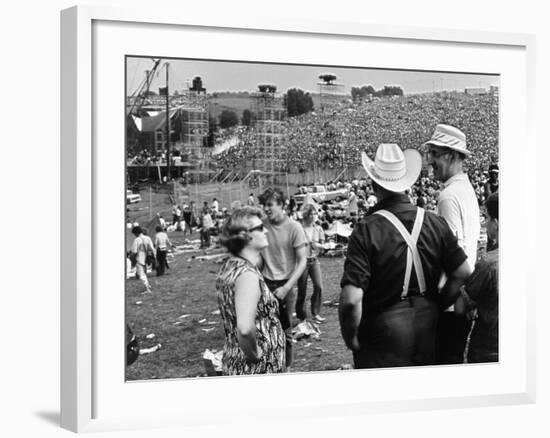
(182, 311)
(187, 296)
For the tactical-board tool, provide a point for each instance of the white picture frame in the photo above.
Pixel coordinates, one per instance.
(93, 396)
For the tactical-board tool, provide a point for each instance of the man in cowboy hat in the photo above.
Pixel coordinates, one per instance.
(389, 301)
(458, 205)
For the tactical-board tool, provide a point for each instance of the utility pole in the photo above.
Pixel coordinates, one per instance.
(168, 170)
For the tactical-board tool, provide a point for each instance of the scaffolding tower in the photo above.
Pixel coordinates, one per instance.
(330, 92)
(194, 123)
(269, 115)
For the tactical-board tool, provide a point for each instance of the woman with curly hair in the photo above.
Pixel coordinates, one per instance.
(254, 338)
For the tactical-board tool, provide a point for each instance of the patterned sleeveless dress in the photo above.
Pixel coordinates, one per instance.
(269, 333)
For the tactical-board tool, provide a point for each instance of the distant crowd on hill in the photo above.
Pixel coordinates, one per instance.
(335, 138)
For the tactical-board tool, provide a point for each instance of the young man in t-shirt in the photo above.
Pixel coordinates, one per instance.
(284, 260)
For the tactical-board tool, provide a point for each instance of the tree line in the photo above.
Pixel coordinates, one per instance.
(367, 91)
(297, 102)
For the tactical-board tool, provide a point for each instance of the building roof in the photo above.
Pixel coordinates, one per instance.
(154, 123)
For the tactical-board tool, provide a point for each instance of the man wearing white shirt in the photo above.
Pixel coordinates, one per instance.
(141, 247)
(215, 206)
(458, 205)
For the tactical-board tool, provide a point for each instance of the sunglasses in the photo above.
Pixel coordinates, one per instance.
(437, 153)
(257, 228)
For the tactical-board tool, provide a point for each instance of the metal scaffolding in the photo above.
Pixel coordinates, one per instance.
(269, 115)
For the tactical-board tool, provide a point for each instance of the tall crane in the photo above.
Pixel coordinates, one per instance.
(142, 91)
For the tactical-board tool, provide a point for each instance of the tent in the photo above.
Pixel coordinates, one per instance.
(339, 229)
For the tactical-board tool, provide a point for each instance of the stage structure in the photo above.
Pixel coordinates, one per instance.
(269, 115)
(330, 92)
(184, 114)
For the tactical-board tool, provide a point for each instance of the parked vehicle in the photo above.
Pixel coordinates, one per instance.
(320, 193)
(132, 198)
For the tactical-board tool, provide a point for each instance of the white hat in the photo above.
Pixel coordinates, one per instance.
(450, 137)
(392, 168)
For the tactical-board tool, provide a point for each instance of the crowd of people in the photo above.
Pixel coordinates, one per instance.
(412, 293)
(337, 137)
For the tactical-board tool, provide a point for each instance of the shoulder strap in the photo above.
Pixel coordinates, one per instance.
(413, 256)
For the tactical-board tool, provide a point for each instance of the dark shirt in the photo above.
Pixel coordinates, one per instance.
(377, 254)
(482, 287)
(490, 188)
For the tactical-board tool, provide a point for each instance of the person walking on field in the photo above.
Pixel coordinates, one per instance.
(162, 242)
(459, 206)
(142, 248)
(206, 226)
(215, 207)
(284, 260)
(187, 216)
(315, 238)
(389, 304)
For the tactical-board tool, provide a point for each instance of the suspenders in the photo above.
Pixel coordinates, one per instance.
(413, 257)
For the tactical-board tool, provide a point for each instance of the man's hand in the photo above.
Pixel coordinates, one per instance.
(281, 292)
(353, 344)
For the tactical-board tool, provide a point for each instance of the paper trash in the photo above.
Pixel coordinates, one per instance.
(306, 329)
(149, 350)
(213, 362)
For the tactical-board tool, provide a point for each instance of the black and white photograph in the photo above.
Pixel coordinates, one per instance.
(291, 218)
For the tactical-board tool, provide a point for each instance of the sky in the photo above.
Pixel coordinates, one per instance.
(241, 76)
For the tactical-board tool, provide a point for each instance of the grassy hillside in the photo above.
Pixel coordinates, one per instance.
(239, 102)
(236, 103)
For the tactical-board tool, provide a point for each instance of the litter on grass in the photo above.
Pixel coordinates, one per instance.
(223, 255)
(213, 362)
(149, 350)
(306, 329)
(346, 366)
(150, 336)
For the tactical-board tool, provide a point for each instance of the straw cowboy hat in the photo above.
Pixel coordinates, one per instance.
(392, 168)
(447, 136)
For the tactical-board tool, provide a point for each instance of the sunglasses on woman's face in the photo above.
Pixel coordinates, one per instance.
(257, 228)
